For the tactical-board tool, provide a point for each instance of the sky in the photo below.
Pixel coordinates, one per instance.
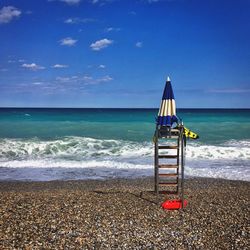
(118, 53)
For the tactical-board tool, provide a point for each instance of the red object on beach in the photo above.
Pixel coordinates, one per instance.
(173, 204)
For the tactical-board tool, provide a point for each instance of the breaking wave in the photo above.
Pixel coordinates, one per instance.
(80, 148)
(228, 160)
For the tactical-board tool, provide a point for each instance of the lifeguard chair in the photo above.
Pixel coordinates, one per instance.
(169, 144)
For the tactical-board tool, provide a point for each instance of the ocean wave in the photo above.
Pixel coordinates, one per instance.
(232, 169)
(219, 152)
(87, 158)
(44, 170)
(83, 148)
(74, 164)
(78, 148)
(237, 143)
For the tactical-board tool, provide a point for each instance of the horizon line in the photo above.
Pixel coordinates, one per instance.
(9, 107)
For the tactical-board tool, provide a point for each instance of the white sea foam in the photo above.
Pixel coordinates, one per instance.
(77, 147)
(229, 160)
(52, 170)
(73, 164)
(197, 151)
(81, 147)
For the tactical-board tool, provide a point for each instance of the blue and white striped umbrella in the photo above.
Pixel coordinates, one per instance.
(167, 112)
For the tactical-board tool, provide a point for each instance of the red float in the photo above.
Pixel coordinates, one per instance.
(173, 204)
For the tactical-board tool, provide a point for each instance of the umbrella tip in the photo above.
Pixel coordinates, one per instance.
(168, 79)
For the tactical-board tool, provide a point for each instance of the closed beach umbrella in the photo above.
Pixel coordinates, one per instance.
(167, 112)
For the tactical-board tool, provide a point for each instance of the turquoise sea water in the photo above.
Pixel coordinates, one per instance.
(47, 144)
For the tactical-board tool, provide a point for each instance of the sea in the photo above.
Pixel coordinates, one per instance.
(44, 144)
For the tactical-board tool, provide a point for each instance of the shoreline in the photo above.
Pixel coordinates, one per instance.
(122, 214)
(108, 180)
(111, 179)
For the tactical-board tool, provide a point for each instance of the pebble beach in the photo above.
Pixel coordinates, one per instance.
(123, 214)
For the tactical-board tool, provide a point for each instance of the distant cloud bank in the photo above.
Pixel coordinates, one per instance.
(84, 80)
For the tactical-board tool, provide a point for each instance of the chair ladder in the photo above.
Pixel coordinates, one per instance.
(169, 161)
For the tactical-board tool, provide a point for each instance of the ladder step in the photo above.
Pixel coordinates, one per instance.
(169, 175)
(169, 184)
(169, 137)
(168, 166)
(168, 156)
(173, 130)
(167, 147)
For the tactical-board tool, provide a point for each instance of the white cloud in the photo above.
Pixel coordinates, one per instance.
(70, 20)
(101, 66)
(32, 66)
(59, 66)
(71, 2)
(102, 2)
(37, 83)
(110, 29)
(7, 13)
(138, 44)
(63, 79)
(101, 44)
(76, 2)
(89, 80)
(105, 79)
(83, 80)
(68, 41)
(21, 60)
(76, 20)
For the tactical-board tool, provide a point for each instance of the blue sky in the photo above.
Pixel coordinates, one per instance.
(118, 53)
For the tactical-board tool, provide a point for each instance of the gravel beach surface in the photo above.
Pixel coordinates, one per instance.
(123, 214)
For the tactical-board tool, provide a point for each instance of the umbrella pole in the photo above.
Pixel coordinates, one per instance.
(182, 166)
(156, 162)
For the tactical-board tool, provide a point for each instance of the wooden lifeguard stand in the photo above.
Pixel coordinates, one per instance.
(169, 160)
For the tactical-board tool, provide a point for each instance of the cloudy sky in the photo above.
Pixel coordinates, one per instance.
(118, 53)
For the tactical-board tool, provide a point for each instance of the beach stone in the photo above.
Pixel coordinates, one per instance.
(113, 214)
